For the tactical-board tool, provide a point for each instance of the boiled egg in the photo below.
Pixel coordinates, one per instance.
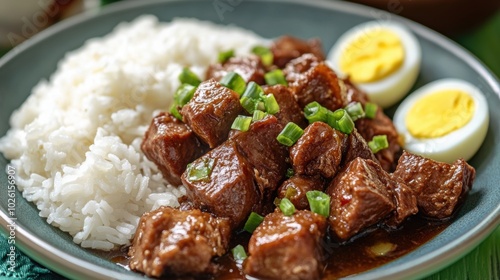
(381, 57)
(444, 120)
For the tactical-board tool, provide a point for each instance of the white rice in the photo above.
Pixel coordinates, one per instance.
(75, 142)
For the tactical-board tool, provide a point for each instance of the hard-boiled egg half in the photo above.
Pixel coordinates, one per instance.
(381, 57)
(444, 120)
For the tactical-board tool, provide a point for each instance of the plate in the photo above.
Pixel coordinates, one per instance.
(22, 68)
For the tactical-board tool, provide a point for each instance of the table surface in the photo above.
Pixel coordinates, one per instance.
(481, 263)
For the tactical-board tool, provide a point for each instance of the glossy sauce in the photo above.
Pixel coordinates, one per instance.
(343, 259)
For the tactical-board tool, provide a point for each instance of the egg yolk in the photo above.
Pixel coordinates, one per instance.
(439, 113)
(372, 56)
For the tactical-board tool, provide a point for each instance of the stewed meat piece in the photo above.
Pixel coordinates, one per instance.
(380, 125)
(300, 65)
(211, 112)
(171, 145)
(287, 247)
(318, 83)
(174, 242)
(440, 187)
(359, 199)
(221, 182)
(250, 68)
(264, 153)
(406, 203)
(323, 150)
(356, 146)
(362, 195)
(287, 48)
(353, 93)
(296, 187)
(289, 108)
(318, 151)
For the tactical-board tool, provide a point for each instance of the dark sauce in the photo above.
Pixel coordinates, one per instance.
(357, 256)
(342, 260)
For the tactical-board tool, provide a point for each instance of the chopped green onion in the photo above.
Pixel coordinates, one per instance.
(275, 77)
(319, 202)
(290, 134)
(188, 77)
(234, 81)
(258, 115)
(239, 253)
(345, 123)
(289, 172)
(355, 110)
(265, 54)
(251, 97)
(253, 91)
(340, 120)
(271, 105)
(290, 192)
(249, 104)
(287, 207)
(277, 201)
(370, 110)
(174, 110)
(253, 222)
(201, 170)
(241, 123)
(224, 56)
(184, 93)
(379, 142)
(331, 119)
(314, 112)
(260, 105)
(382, 248)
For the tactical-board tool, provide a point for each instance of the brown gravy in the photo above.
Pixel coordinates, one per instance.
(343, 259)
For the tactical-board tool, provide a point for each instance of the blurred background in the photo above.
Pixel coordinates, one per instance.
(474, 24)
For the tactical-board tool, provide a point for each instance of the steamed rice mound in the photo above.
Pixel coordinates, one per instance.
(75, 142)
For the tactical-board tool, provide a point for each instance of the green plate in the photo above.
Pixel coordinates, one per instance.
(23, 67)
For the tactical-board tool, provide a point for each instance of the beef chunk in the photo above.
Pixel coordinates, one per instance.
(318, 151)
(287, 247)
(287, 48)
(359, 199)
(440, 187)
(355, 146)
(229, 191)
(250, 68)
(380, 125)
(406, 203)
(319, 83)
(296, 187)
(300, 65)
(289, 108)
(264, 153)
(353, 93)
(362, 195)
(170, 241)
(211, 112)
(171, 145)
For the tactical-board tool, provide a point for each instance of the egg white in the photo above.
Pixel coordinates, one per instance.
(461, 143)
(391, 89)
